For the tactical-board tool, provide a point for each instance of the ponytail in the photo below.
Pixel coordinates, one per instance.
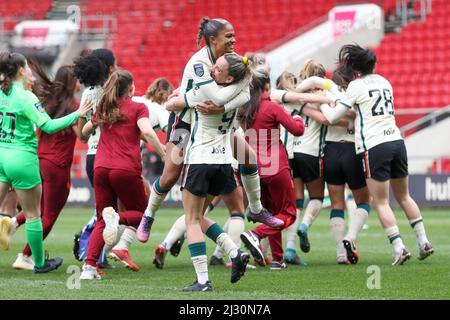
(201, 29)
(247, 114)
(238, 67)
(10, 63)
(117, 86)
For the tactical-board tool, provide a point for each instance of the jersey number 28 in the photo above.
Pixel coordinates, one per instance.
(377, 108)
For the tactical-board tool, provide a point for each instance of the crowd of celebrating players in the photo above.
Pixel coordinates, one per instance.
(230, 137)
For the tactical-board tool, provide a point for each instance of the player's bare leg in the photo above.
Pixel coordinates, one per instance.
(379, 190)
(412, 212)
(248, 168)
(171, 172)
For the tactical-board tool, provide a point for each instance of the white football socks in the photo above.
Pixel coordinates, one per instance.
(126, 239)
(311, 212)
(253, 190)
(176, 232)
(358, 218)
(419, 228)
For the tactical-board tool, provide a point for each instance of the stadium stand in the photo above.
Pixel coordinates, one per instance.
(23, 9)
(417, 59)
(174, 29)
(172, 25)
(156, 38)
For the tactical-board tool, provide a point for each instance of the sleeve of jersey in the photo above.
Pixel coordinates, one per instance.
(142, 111)
(219, 95)
(333, 115)
(238, 101)
(349, 99)
(294, 126)
(163, 118)
(55, 125)
(34, 111)
(84, 98)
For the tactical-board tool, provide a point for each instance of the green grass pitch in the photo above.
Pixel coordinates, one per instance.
(322, 278)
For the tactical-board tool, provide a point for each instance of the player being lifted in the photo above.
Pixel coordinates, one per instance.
(207, 170)
(219, 39)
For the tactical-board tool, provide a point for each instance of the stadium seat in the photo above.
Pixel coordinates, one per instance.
(23, 10)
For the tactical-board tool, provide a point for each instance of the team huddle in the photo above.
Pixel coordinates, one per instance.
(230, 137)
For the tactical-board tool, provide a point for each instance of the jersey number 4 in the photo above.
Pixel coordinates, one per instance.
(377, 108)
(12, 127)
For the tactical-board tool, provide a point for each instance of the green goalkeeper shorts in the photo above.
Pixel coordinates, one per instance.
(19, 169)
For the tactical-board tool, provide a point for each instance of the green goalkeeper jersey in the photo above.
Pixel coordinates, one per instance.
(20, 110)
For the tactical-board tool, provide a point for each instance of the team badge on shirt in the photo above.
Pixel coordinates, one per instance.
(39, 106)
(198, 68)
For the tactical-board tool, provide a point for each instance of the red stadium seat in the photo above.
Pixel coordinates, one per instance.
(417, 60)
(142, 33)
(23, 9)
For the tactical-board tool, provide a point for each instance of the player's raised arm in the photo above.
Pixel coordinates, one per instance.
(284, 96)
(318, 82)
(318, 116)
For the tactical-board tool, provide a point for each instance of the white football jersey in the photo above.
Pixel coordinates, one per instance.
(372, 97)
(159, 116)
(312, 139)
(210, 134)
(339, 134)
(92, 94)
(198, 73)
(197, 70)
(294, 109)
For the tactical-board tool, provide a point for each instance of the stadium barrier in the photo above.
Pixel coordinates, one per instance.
(428, 191)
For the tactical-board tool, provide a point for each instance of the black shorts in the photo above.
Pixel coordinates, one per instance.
(342, 165)
(234, 181)
(206, 179)
(178, 131)
(90, 159)
(386, 161)
(306, 167)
